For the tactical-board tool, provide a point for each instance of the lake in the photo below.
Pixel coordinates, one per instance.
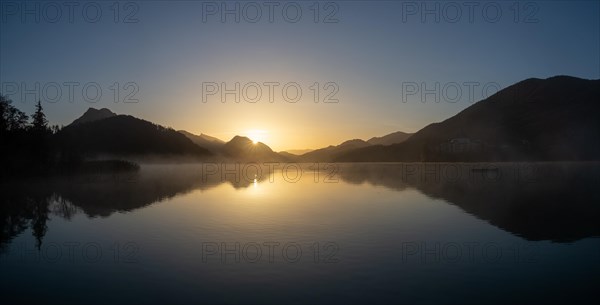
(410, 233)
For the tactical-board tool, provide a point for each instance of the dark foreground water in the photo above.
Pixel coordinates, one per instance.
(347, 233)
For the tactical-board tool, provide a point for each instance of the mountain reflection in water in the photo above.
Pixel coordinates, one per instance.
(535, 201)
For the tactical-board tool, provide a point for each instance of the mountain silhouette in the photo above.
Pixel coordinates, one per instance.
(243, 149)
(124, 135)
(102, 132)
(289, 156)
(211, 143)
(329, 153)
(550, 119)
(93, 114)
(239, 148)
(553, 119)
(392, 138)
(296, 152)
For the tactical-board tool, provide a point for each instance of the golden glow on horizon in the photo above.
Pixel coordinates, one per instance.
(257, 135)
(276, 125)
(281, 125)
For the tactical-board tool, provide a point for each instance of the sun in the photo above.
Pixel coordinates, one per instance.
(256, 135)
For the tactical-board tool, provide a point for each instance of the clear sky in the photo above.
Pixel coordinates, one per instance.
(373, 57)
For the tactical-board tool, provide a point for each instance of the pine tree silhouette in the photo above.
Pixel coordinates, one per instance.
(40, 123)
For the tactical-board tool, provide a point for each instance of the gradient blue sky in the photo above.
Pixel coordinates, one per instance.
(370, 53)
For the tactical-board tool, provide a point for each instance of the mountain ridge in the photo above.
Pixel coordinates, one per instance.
(535, 119)
(126, 135)
(211, 143)
(243, 149)
(93, 114)
(389, 139)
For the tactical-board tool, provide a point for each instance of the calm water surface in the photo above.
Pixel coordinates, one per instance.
(347, 233)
